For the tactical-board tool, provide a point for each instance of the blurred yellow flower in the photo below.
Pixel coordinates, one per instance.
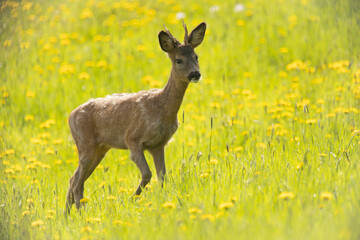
(47, 123)
(208, 217)
(194, 210)
(84, 200)
(86, 229)
(215, 105)
(326, 196)
(93, 220)
(300, 166)
(169, 205)
(226, 205)
(214, 161)
(86, 13)
(283, 50)
(296, 65)
(29, 117)
(119, 222)
(311, 121)
(7, 43)
(240, 22)
(111, 198)
(204, 175)
(84, 76)
(66, 69)
(24, 45)
(25, 213)
(286, 195)
(50, 151)
(37, 223)
(58, 141)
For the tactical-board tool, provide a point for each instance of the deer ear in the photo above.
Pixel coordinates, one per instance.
(197, 35)
(166, 42)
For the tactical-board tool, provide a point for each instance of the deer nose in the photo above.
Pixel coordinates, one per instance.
(194, 76)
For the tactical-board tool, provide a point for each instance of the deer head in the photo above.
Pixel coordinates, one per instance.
(185, 65)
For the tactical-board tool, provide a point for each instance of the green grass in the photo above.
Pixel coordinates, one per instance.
(280, 86)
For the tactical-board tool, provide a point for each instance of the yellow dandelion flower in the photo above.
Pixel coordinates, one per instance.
(30, 94)
(86, 13)
(283, 74)
(9, 151)
(261, 145)
(93, 220)
(9, 171)
(326, 196)
(296, 65)
(52, 212)
(215, 105)
(238, 149)
(84, 76)
(24, 45)
(37, 223)
(226, 205)
(86, 229)
(240, 22)
(25, 213)
(27, 6)
(47, 123)
(283, 50)
(246, 92)
(169, 205)
(311, 121)
(233, 199)
(119, 222)
(208, 217)
(65, 42)
(66, 69)
(286, 195)
(204, 175)
(84, 200)
(49, 151)
(111, 198)
(214, 161)
(194, 210)
(6, 162)
(7, 43)
(300, 166)
(58, 141)
(102, 64)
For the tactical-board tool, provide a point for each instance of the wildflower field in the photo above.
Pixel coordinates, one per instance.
(268, 145)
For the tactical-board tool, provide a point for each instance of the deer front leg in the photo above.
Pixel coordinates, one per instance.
(159, 160)
(137, 155)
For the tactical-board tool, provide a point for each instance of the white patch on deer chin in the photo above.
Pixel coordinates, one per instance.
(194, 80)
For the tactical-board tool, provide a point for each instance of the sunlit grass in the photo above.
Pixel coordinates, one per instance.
(268, 144)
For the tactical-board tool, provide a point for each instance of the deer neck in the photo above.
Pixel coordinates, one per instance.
(172, 96)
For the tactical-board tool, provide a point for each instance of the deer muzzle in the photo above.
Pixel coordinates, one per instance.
(194, 76)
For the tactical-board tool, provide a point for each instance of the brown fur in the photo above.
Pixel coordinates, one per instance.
(136, 121)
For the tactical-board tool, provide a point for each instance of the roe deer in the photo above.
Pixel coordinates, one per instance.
(136, 121)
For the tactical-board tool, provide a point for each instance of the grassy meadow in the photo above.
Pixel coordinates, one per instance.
(267, 146)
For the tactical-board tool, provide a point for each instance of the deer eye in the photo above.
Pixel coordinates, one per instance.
(178, 61)
(196, 57)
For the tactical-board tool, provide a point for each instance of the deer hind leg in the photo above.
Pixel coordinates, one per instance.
(87, 164)
(90, 156)
(76, 184)
(137, 155)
